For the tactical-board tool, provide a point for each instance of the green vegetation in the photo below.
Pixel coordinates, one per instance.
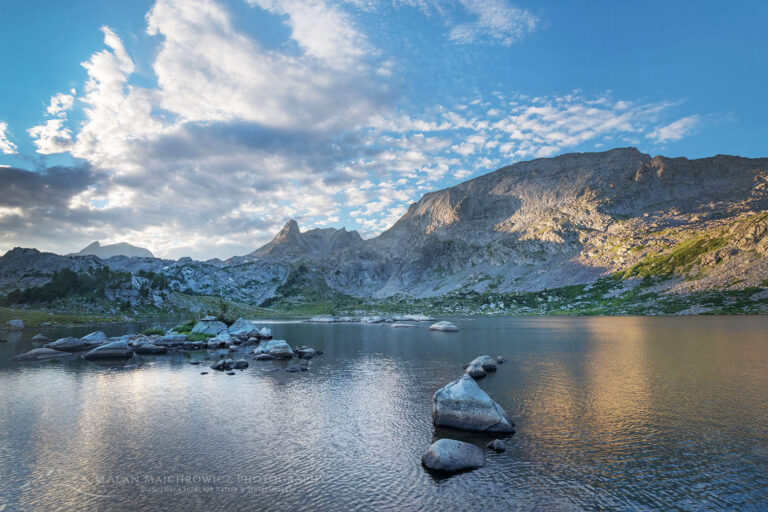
(37, 318)
(153, 330)
(678, 260)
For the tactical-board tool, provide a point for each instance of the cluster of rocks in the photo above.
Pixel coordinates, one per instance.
(280, 349)
(97, 346)
(463, 405)
(376, 319)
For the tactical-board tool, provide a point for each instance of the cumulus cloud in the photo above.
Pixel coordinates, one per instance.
(61, 103)
(51, 137)
(236, 137)
(676, 130)
(6, 146)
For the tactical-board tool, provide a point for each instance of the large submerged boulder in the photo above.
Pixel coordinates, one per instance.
(40, 354)
(114, 350)
(276, 348)
(463, 405)
(449, 455)
(265, 333)
(71, 344)
(444, 326)
(206, 326)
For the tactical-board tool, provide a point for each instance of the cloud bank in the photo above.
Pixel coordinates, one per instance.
(237, 136)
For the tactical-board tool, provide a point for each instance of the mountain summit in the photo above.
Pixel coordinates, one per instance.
(119, 249)
(290, 244)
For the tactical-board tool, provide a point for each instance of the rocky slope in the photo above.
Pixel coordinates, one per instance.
(119, 249)
(619, 222)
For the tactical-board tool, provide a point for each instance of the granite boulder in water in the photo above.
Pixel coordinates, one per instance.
(450, 456)
(463, 405)
(443, 326)
(71, 344)
(39, 354)
(115, 350)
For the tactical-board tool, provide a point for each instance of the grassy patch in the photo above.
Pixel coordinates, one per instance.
(678, 260)
(35, 318)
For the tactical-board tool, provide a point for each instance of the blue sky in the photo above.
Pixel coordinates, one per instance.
(198, 127)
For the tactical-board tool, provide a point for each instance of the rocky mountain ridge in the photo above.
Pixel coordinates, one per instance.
(118, 249)
(670, 225)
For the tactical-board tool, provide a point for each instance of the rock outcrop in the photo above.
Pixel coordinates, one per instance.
(463, 405)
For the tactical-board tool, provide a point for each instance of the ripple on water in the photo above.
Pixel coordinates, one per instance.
(611, 413)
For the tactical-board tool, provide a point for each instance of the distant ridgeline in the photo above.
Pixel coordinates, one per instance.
(120, 249)
(585, 233)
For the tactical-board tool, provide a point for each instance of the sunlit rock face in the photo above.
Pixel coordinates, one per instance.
(541, 224)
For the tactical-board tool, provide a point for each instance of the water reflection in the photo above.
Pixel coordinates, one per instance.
(611, 413)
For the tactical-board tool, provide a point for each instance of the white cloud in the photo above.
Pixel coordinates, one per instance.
(495, 19)
(676, 130)
(235, 137)
(51, 137)
(60, 104)
(6, 146)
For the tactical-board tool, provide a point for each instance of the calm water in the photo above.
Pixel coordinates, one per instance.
(611, 413)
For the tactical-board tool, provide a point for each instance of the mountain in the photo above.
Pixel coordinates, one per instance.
(559, 221)
(119, 249)
(618, 231)
(290, 244)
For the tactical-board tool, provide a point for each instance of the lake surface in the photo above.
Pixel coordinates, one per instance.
(612, 413)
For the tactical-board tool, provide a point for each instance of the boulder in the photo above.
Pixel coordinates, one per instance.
(213, 344)
(223, 364)
(263, 357)
(450, 456)
(276, 348)
(40, 338)
(150, 349)
(265, 333)
(242, 327)
(475, 370)
(96, 336)
(487, 362)
(293, 369)
(114, 350)
(71, 344)
(172, 340)
(15, 325)
(499, 360)
(208, 318)
(195, 345)
(463, 405)
(443, 326)
(496, 445)
(39, 354)
(241, 364)
(306, 353)
(212, 327)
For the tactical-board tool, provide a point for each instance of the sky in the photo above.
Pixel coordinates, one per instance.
(199, 127)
